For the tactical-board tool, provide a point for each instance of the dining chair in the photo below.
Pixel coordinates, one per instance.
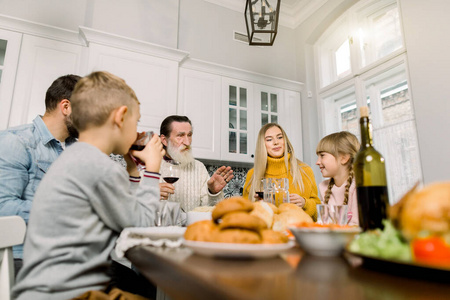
(12, 232)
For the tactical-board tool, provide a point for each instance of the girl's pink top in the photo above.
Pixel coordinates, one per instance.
(337, 198)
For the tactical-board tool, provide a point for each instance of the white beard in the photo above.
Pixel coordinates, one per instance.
(183, 157)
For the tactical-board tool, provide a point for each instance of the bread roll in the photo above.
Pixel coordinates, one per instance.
(262, 210)
(427, 210)
(273, 207)
(289, 218)
(273, 237)
(242, 220)
(201, 231)
(241, 236)
(283, 207)
(231, 205)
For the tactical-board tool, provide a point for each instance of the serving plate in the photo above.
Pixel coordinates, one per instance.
(229, 250)
(402, 268)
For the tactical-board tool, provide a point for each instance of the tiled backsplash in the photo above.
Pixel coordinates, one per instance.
(233, 188)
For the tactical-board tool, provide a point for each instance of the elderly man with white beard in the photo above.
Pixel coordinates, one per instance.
(195, 187)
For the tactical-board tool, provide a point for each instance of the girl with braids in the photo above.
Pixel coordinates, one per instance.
(336, 153)
(275, 158)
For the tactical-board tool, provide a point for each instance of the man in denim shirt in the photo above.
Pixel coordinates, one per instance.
(27, 151)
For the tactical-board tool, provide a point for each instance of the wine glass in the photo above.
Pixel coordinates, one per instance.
(142, 139)
(170, 175)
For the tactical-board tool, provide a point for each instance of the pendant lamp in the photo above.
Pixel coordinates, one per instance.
(261, 18)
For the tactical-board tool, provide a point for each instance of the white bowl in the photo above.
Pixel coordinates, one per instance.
(195, 216)
(324, 241)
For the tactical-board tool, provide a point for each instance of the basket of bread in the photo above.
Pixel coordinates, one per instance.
(240, 227)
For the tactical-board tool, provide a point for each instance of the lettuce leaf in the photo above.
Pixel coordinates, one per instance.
(386, 243)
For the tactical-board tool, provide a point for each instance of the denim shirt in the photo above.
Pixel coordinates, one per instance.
(26, 153)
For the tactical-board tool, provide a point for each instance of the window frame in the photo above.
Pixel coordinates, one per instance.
(360, 77)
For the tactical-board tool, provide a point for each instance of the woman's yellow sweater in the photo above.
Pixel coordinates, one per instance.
(276, 168)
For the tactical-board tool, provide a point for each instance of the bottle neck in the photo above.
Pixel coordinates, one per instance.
(366, 132)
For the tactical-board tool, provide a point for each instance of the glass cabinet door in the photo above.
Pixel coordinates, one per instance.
(9, 57)
(238, 144)
(268, 106)
(3, 44)
(237, 120)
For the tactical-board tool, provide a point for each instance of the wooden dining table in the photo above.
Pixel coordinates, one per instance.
(182, 274)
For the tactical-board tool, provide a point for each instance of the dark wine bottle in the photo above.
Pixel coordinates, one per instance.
(370, 176)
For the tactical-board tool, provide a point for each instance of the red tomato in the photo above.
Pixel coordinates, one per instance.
(431, 250)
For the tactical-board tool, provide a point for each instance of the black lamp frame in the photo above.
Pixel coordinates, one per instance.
(250, 22)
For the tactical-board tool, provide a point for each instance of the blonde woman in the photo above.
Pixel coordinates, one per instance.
(336, 153)
(275, 158)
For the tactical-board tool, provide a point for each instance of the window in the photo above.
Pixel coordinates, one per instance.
(379, 31)
(342, 57)
(334, 53)
(371, 70)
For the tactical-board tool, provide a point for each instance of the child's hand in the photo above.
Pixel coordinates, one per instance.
(131, 166)
(152, 154)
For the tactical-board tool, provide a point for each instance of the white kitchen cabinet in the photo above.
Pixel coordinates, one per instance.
(42, 60)
(199, 96)
(153, 79)
(238, 128)
(292, 120)
(227, 113)
(275, 105)
(268, 106)
(262, 104)
(9, 57)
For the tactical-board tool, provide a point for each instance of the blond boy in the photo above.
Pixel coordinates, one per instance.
(86, 199)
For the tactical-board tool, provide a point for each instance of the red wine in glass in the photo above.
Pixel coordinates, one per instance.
(170, 179)
(142, 139)
(137, 147)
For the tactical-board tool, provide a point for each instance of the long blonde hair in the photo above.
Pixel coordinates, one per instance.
(340, 143)
(260, 165)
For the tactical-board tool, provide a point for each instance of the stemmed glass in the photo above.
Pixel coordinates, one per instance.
(170, 175)
(142, 139)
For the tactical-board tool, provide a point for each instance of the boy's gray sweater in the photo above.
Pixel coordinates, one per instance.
(80, 208)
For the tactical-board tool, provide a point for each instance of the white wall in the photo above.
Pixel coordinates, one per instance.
(426, 26)
(153, 21)
(203, 29)
(206, 32)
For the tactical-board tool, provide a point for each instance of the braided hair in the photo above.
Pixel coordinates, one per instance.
(340, 143)
(347, 188)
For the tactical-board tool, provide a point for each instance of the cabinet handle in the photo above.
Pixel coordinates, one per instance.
(252, 156)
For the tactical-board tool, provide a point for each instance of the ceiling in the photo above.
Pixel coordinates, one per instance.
(292, 12)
